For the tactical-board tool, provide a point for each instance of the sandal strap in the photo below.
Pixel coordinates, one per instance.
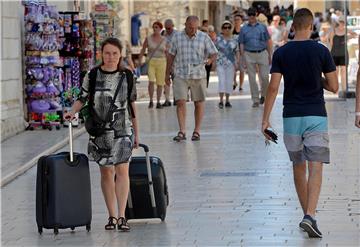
(122, 224)
(196, 134)
(180, 136)
(111, 224)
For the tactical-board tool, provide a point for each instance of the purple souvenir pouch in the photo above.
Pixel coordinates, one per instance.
(39, 88)
(40, 106)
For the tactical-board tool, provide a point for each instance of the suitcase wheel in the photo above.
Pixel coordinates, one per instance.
(72, 228)
(56, 231)
(40, 230)
(88, 228)
(162, 217)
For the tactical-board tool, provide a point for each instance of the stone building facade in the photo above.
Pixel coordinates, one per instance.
(12, 98)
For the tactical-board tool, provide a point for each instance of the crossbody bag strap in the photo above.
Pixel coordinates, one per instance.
(153, 52)
(116, 93)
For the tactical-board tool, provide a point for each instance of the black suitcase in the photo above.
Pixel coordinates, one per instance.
(63, 191)
(148, 197)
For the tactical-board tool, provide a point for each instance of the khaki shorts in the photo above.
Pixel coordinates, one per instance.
(197, 88)
(156, 70)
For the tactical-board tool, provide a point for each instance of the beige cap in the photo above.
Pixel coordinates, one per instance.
(226, 22)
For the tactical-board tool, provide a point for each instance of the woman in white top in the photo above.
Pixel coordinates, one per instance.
(156, 45)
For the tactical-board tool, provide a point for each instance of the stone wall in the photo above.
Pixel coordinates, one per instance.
(12, 102)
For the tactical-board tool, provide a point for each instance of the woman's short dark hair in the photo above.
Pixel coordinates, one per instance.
(115, 42)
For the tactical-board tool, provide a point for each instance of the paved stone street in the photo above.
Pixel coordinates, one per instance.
(226, 190)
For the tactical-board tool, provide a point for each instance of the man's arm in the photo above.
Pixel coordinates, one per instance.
(169, 63)
(331, 82)
(269, 100)
(269, 49)
(211, 59)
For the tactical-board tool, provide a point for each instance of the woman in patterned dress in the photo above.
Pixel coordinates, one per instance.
(112, 150)
(226, 62)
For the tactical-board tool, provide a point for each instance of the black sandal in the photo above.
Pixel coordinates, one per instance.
(122, 225)
(195, 136)
(180, 136)
(111, 225)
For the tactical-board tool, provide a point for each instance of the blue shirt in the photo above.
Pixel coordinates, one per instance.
(254, 37)
(135, 29)
(302, 64)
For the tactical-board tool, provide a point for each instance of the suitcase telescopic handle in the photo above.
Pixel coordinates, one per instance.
(71, 142)
(145, 147)
(151, 185)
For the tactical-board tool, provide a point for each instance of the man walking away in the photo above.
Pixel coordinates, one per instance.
(189, 50)
(168, 34)
(255, 46)
(301, 63)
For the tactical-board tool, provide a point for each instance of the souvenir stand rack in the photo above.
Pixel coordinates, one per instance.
(77, 54)
(103, 17)
(43, 77)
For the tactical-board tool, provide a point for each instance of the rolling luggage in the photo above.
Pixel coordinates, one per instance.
(63, 191)
(148, 197)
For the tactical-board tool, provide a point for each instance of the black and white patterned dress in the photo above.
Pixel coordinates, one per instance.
(116, 144)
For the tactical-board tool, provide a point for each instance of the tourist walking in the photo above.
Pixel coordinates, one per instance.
(156, 60)
(339, 51)
(301, 63)
(255, 46)
(357, 107)
(112, 149)
(168, 34)
(190, 50)
(241, 66)
(277, 33)
(226, 62)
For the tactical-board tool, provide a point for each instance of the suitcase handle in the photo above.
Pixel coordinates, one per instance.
(145, 147)
(71, 142)
(151, 185)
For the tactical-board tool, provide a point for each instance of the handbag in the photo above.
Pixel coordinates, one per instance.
(94, 125)
(144, 67)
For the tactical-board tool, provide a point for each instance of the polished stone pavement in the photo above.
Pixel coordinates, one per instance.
(226, 190)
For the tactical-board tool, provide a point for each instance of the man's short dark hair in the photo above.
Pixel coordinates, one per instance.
(303, 19)
(251, 11)
(239, 15)
(205, 21)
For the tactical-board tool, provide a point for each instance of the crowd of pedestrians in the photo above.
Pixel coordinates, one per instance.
(183, 58)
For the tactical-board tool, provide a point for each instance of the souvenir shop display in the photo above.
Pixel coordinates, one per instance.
(87, 44)
(44, 78)
(103, 17)
(77, 56)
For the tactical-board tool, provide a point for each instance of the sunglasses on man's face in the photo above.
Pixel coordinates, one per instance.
(251, 14)
(226, 27)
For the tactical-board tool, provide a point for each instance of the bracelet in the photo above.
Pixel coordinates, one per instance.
(357, 113)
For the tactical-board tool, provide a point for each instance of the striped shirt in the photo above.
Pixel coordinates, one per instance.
(191, 53)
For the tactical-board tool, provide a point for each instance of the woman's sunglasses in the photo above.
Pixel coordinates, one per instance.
(226, 27)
